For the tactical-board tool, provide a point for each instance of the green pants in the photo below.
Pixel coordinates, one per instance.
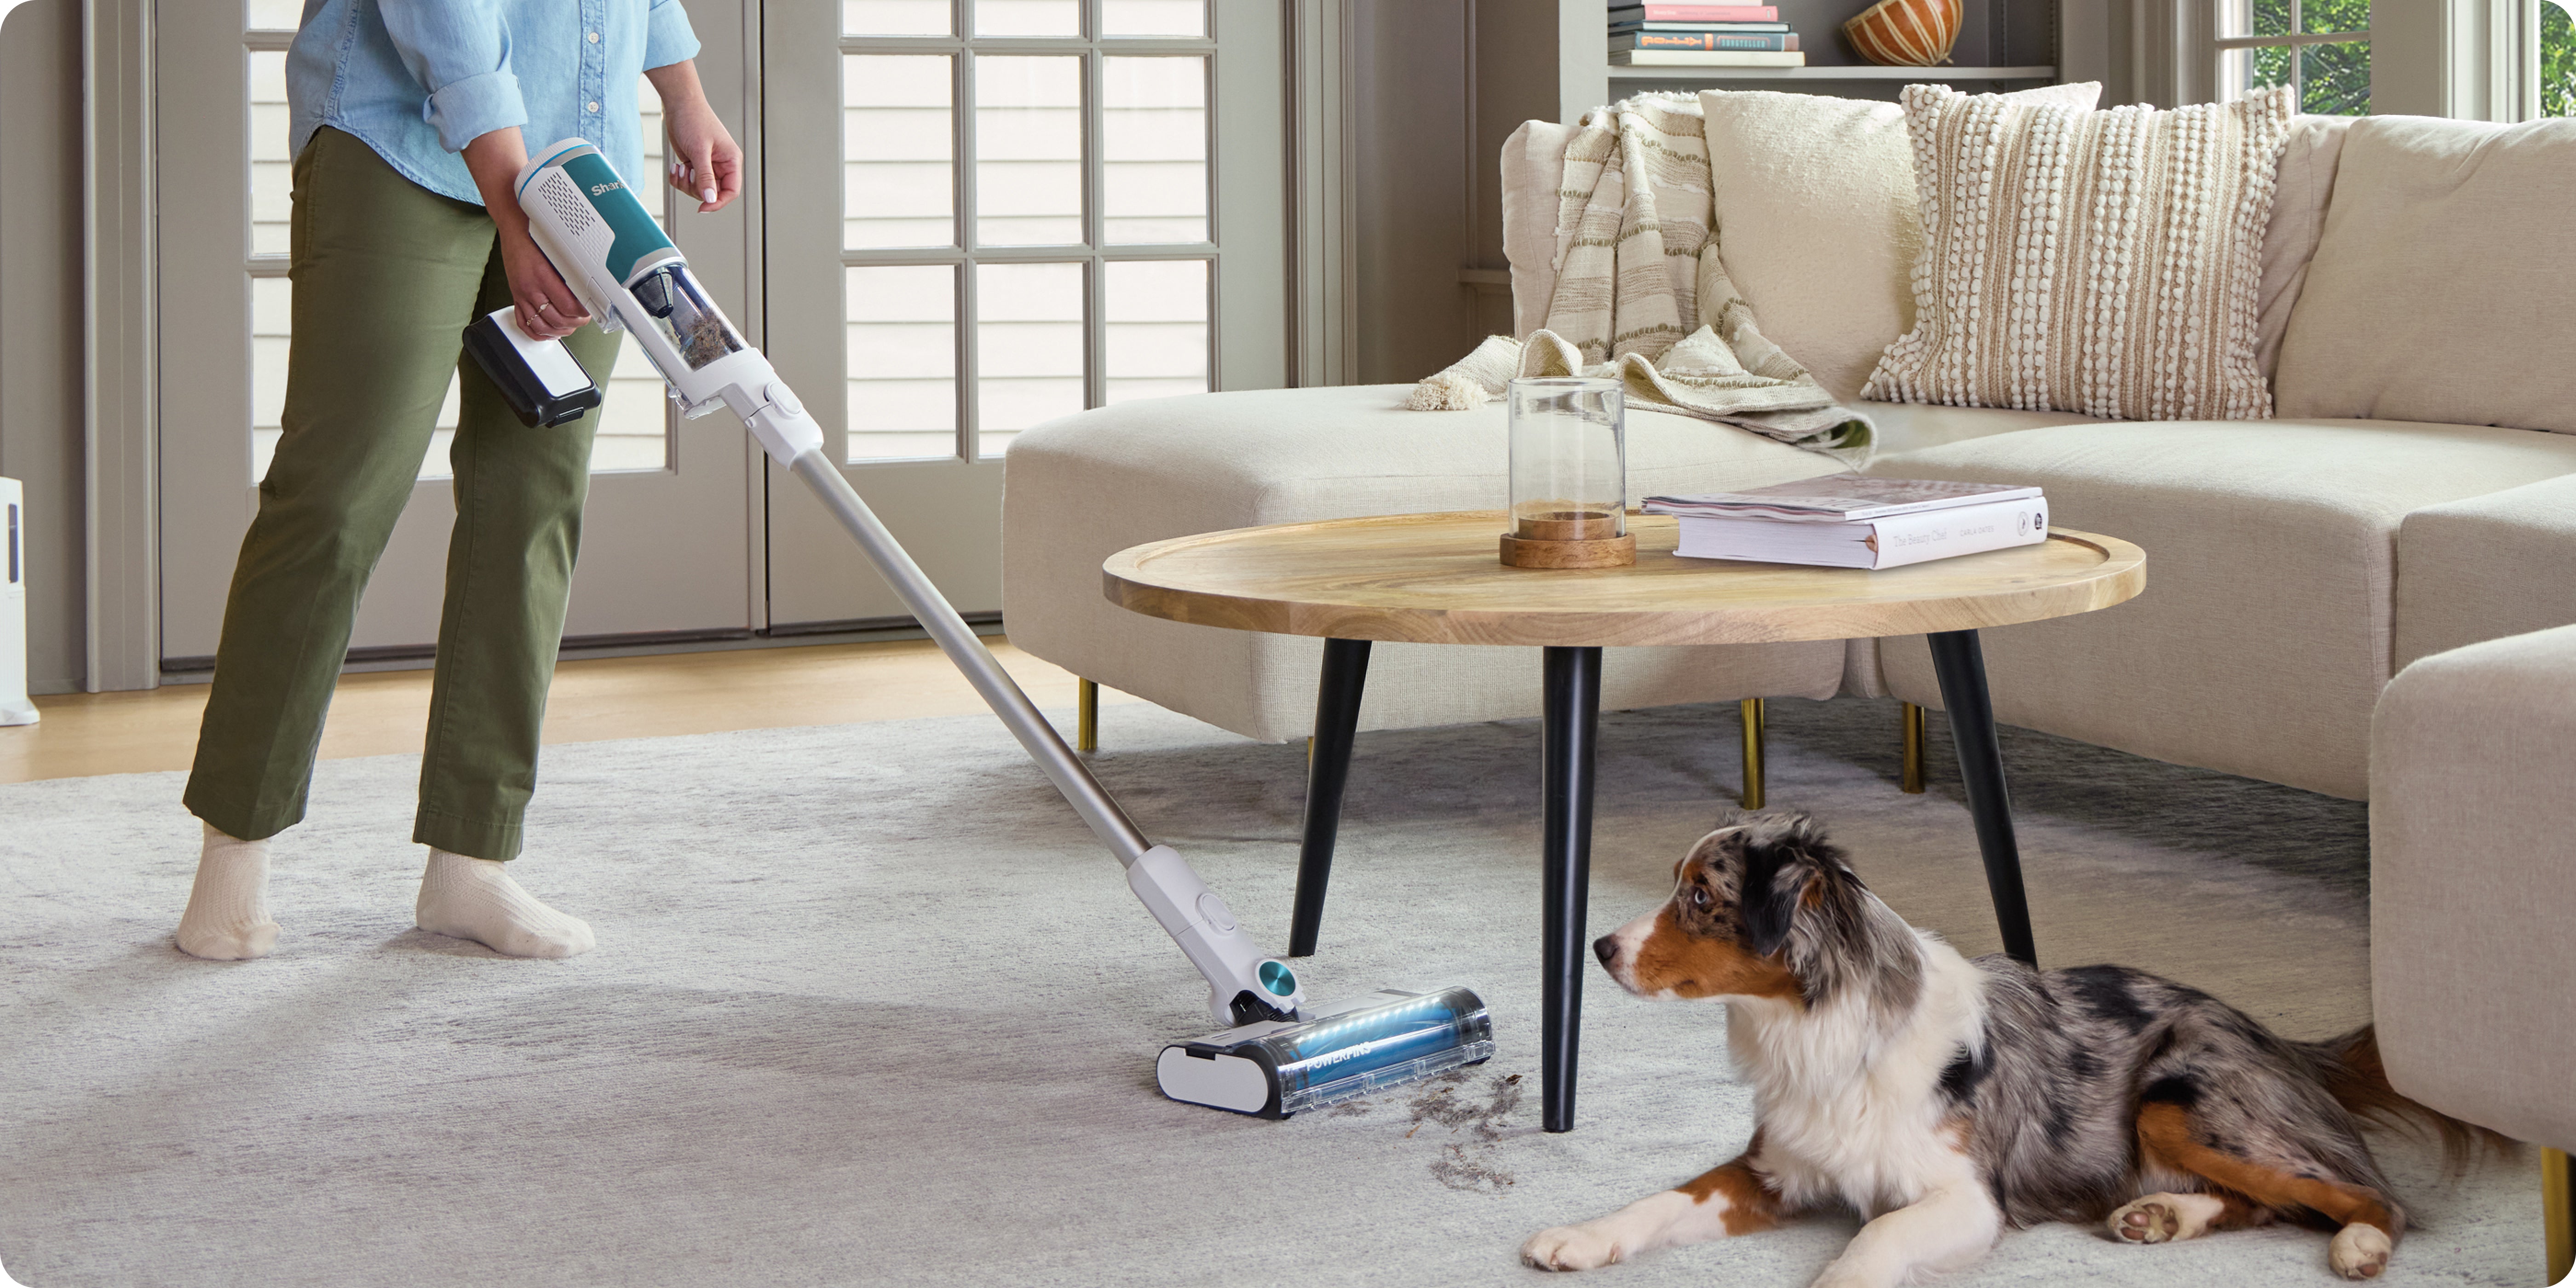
(387, 274)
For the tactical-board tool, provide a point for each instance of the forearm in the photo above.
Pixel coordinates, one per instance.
(677, 84)
(495, 160)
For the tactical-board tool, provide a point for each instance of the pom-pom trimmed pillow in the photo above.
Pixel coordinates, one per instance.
(2096, 262)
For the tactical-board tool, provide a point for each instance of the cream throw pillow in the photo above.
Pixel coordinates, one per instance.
(2096, 262)
(2442, 287)
(1817, 221)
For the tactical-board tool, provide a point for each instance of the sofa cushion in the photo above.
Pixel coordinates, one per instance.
(2300, 194)
(1080, 489)
(1911, 427)
(2486, 567)
(2470, 883)
(2440, 288)
(1817, 221)
(2263, 636)
(2102, 262)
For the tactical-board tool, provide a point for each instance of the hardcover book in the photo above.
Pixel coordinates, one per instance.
(1695, 13)
(1705, 40)
(1914, 537)
(1839, 498)
(1706, 58)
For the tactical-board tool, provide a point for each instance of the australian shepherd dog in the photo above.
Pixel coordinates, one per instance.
(1946, 1098)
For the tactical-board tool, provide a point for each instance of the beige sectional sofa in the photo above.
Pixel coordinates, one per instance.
(2294, 563)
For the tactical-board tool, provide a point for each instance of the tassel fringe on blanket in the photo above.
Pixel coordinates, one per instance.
(1633, 259)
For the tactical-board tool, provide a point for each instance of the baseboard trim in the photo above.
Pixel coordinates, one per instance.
(420, 657)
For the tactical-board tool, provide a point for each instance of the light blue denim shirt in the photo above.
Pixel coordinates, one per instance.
(420, 79)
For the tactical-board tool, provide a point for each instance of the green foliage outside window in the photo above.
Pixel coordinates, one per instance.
(2557, 60)
(2333, 79)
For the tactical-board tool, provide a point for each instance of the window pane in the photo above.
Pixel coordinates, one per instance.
(2258, 17)
(897, 187)
(2557, 59)
(1153, 17)
(272, 178)
(894, 17)
(2334, 15)
(1154, 146)
(635, 421)
(902, 334)
(272, 15)
(1028, 17)
(654, 186)
(2334, 80)
(1157, 328)
(1028, 349)
(1028, 151)
(2241, 70)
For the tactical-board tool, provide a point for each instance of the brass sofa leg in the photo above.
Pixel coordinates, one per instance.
(1750, 711)
(1912, 721)
(2558, 1211)
(1086, 716)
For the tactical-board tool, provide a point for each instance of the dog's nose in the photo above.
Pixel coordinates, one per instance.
(1605, 948)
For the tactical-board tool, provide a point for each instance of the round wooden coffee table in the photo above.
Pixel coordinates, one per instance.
(1434, 579)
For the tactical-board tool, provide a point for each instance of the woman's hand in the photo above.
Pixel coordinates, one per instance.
(705, 161)
(547, 309)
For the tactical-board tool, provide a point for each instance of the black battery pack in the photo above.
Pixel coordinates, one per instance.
(540, 379)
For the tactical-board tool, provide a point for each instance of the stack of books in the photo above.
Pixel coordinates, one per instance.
(1848, 521)
(1701, 35)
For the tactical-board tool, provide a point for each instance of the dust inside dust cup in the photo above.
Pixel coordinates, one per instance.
(1569, 458)
(696, 328)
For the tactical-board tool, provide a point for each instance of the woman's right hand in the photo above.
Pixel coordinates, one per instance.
(547, 308)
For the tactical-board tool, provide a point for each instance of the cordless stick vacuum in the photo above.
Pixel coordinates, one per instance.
(1276, 1055)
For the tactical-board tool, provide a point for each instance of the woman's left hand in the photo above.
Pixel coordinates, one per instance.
(705, 161)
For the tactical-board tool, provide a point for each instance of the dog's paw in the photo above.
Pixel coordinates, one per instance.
(2164, 1218)
(2359, 1251)
(1571, 1247)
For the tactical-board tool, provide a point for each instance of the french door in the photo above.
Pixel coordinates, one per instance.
(667, 537)
(985, 214)
(965, 217)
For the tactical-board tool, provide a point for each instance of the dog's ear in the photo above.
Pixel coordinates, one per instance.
(1781, 862)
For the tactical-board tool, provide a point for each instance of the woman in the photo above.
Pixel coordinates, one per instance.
(411, 120)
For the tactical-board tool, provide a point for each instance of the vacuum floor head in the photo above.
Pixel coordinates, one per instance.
(1359, 1048)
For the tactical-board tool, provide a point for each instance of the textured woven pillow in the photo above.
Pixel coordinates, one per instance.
(2095, 262)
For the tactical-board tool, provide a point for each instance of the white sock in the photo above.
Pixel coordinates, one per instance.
(227, 917)
(475, 899)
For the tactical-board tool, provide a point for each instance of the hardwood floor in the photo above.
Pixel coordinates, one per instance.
(383, 712)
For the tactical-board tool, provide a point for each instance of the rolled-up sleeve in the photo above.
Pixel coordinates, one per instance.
(668, 38)
(459, 50)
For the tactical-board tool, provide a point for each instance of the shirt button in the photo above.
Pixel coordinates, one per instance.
(594, 37)
(594, 107)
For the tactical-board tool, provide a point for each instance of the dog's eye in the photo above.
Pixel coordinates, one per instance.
(1699, 897)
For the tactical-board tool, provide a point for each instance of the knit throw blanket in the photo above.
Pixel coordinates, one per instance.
(1642, 299)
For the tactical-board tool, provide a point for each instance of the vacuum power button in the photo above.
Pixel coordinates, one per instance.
(1218, 915)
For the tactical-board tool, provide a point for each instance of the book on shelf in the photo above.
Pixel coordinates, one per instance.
(1837, 498)
(1892, 541)
(1631, 28)
(1705, 40)
(1694, 13)
(1706, 58)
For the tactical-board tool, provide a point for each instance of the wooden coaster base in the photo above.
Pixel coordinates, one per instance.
(1600, 552)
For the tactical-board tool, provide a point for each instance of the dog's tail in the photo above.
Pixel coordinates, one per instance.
(2350, 1068)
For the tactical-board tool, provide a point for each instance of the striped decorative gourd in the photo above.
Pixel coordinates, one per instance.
(1906, 33)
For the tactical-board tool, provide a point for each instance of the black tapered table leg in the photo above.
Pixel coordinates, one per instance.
(1328, 770)
(1961, 665)
(1571, 723)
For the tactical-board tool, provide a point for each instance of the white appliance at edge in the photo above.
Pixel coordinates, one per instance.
(15, 709)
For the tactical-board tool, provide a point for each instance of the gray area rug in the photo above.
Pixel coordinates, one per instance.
(870, 1007)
